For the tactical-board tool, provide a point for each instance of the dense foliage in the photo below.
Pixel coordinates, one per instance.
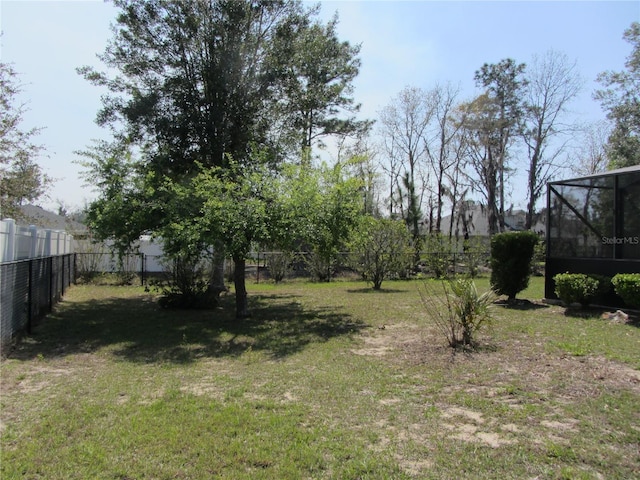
(576, 288)
(621, 99)
(381, 248)
(21, 178)
(511, 255)
(209, 102)
(627, 287)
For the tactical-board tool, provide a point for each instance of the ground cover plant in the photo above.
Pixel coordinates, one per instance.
(331, 380)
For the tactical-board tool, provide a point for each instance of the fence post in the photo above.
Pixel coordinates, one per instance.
(47, 243)
(62, 279)
(258, 269)
(142, 265)
(50, 283)
(9, 254)
(30, 296)
(33, 253)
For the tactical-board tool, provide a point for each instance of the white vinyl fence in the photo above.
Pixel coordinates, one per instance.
(36, 266)
(19, 242)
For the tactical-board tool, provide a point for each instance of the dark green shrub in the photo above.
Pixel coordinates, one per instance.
(188, 286)
(511, 255)
(576, 288)
(627, 287)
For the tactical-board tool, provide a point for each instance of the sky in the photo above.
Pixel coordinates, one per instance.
(403, 43)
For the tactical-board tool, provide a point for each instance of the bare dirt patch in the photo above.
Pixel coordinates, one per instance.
(519, 375)
(518, 361)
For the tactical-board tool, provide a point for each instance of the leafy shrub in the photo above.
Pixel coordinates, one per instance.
(576, 288)
(321, 267)
(189, 285)
(604, 286)
(474, 255)
(279, 264)
(627, 287)
(381, 249)
(460, 312)
(437, 256)
(539, 259)
(511, 255)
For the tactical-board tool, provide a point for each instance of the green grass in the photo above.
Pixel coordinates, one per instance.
(324, 381)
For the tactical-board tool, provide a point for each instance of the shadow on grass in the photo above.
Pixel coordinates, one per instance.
(371, 290)
(596, 313)
(521, 304)
(138, 330)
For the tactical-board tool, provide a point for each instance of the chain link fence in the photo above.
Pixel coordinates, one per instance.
(29, 289)
(263, 266)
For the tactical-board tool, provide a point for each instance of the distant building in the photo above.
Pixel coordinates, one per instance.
(473, 221)
(41, 218)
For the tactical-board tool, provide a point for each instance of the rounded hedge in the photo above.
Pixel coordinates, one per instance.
(627, 287)
(576, 288)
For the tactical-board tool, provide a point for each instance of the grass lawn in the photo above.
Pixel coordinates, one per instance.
(328, 381)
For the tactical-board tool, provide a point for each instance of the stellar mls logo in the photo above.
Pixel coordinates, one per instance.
(620, 240)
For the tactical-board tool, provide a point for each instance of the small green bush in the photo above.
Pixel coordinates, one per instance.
(511, 255)
(381, 248)
(576, 288)
(437, 255)
(627, 287)
(279, 264)
(539, 259)
(475, 255)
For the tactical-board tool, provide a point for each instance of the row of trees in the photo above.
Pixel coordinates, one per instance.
(21, 178)
(214, 107)
(440, 149)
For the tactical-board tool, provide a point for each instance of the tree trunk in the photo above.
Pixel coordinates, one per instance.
(242, 305)
(533, 169)
(217, 270)
(216, 279)
(531, 204)
(491, 185)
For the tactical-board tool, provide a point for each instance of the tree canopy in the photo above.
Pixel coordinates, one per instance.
(21, 178)
(621, 100)
(208, 101)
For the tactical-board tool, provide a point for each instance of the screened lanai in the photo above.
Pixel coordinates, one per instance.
(593, 226)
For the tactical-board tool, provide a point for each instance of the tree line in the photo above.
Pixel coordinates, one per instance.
(441, 150)
(216, 109)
